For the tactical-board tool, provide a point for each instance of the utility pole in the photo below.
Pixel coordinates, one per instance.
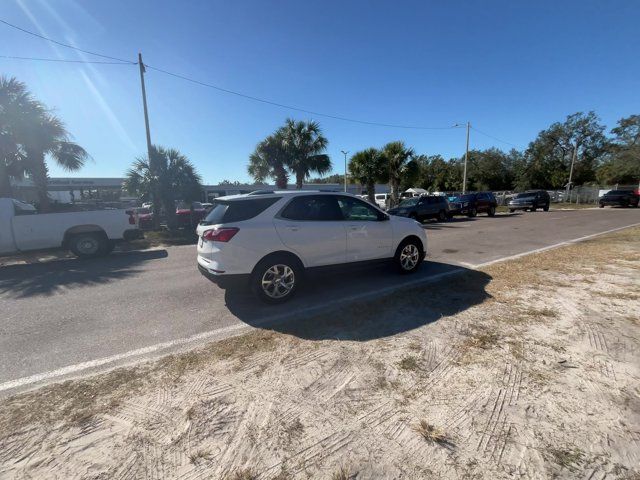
(573, 161)
(144, 104)
(154, 196)
(466, 159)
(345, 169)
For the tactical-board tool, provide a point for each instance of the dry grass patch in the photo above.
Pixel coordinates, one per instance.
(569, 458)
(410, 362)
(243, 474)
(432, 434)
(344, 473)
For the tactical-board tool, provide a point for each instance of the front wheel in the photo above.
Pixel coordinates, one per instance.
(492, 211)
(442, 216)
(473, 212)
(511, 210)
(601, 205)
(408, 256)
(88, 245)
(546, 208)
(276, 280)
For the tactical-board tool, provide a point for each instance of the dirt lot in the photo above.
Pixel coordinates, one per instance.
(527, 369)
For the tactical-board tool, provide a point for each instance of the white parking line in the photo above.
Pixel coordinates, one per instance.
(236, 329)
(226, 331)
(550, 247)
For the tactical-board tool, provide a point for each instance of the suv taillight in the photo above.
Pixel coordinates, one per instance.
(220, 234)
(132, 219)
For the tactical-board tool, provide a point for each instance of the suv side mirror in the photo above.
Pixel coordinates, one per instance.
(382, 217)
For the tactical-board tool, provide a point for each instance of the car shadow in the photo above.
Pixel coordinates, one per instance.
(350, 302)
(50, 278)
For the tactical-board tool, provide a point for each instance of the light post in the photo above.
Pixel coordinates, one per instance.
(345, 168)
(466, 158)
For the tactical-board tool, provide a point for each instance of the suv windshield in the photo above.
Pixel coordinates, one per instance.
(237, 210)
(409, 202)
(461, 198)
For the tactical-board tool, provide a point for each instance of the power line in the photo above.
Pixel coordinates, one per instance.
(120, 61)
(64, 44)
(495, 138)
(290, 107)
(64, 60)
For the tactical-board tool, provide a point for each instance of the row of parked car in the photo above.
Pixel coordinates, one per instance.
(443, 208)
(186, 215)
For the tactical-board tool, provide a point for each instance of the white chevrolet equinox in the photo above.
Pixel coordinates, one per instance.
(269, 239)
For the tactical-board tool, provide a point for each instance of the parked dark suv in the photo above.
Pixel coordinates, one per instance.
(422, 208)
(530, 200)
(471, 204)
(622, 198)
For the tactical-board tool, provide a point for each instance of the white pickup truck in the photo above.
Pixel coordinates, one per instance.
(85, 233)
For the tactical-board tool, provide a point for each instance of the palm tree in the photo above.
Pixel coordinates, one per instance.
(304, 144)
(399, 161)
(268, 161)
(163, 178)
(368, 167)
(18, 110)
(30, 133)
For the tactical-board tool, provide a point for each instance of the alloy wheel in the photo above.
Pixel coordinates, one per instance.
(409, 257)
(278, 281)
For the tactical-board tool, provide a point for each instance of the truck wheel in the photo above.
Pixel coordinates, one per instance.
(546, 208)
(472, 212)
(88, 245)
(601, 205)
(511, 210)
(492, 211)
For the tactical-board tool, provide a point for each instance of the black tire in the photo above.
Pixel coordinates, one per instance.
(601, 205)
(511, 210)
(404, 265)
(546, 208)
(88, 245)
(473, 212)
(442, 216)
(492, 211)
(287, 268)
(533, 208)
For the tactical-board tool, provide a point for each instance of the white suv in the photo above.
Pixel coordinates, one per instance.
(268, 239)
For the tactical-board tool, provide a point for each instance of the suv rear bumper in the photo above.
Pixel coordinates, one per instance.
(225, 281)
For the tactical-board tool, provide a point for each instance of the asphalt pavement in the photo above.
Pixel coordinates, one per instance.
(72, 316)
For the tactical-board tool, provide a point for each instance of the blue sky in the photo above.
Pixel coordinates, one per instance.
(509, 67)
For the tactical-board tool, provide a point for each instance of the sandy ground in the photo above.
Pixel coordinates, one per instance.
(527, 369)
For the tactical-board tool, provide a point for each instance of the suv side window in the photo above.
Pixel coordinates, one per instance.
(313, 208)
(354, 210)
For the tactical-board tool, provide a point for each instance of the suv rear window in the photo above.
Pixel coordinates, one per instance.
(237, 210)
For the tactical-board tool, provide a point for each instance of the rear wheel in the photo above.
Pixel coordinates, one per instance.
(601, 205)
(546, 208)
(276, 279)
(88, 245)
(511, 210)
(492, 211)
(442, 216)
(408, 256)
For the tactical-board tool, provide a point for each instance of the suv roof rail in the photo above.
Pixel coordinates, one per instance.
(261, 192)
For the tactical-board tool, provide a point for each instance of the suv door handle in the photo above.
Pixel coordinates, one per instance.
(354, 227)
(293, 228)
